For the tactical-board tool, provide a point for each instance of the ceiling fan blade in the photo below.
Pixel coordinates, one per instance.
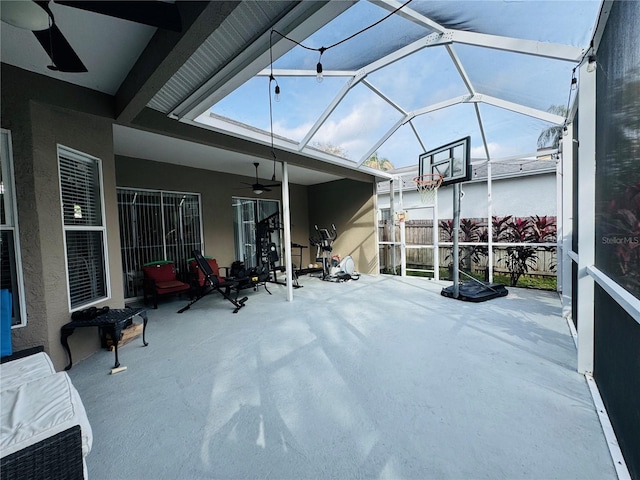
(154, 13)
(265, 188)
(274, 185)
(59, 50)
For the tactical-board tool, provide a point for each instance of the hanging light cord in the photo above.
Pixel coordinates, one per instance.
(324, 49)
(590, 56)
(272, 79)
(321, 50)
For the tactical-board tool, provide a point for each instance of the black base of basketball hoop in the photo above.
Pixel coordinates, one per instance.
(476, 291)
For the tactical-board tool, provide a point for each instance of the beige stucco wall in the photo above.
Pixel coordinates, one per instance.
(216, 190)
(350, 205)
(37, 128)
(41, 113)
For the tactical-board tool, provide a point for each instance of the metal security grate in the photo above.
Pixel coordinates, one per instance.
(156, 225)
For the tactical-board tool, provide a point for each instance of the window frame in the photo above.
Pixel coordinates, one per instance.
(78, 156)
(256, 210)
(130, 253)
(11, 208)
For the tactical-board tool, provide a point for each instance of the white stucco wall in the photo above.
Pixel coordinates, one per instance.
(520, 196)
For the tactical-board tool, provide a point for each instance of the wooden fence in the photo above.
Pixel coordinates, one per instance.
(420, 232)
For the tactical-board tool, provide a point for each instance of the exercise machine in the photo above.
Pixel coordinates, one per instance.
(267, 249)
(215, 284)
(333, 269)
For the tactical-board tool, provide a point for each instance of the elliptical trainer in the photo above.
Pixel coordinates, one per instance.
(333, 269)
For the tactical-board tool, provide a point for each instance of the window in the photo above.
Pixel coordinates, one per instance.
(11, 274)
(84, 227)
(156, 225)
(247, 214)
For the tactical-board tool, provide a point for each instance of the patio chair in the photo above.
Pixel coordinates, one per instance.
(214, 282)
(198, 280)
(160, 278)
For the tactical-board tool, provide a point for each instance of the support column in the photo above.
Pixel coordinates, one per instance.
(403, 235)
(435, 238)
(489, 221)
(565, 223)
(586, 215)
(456, 234)
(392, 227)
(286, 220)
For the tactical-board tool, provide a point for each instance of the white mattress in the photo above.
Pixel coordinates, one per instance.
(25, 370)
(39, 409)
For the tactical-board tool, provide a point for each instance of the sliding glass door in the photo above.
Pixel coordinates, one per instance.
(156, 225)
(248, 214)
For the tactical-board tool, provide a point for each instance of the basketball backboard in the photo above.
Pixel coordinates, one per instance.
(452, 161)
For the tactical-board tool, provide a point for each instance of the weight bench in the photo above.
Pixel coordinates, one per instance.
(214, 285)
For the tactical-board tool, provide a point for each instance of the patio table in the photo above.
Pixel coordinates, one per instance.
(112, 322)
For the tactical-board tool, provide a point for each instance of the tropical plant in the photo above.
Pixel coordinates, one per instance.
(619, 232)
(520, 258)
(518, 261)
(550, 137)
(470, 231)
(500, 228)
(544, 231)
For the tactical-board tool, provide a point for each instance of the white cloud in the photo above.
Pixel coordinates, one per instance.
(295, 133)
(357, 131)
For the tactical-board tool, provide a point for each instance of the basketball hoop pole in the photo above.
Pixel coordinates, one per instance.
(456, 230)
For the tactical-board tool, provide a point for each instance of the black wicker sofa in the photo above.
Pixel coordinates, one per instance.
(45, 433)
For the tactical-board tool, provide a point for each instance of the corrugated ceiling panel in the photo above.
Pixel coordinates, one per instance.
(247, 22)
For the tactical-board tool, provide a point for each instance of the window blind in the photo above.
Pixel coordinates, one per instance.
(80, 187)
(85, 236)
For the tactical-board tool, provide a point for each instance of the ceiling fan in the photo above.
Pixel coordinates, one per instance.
(35, 15)
(257, 187)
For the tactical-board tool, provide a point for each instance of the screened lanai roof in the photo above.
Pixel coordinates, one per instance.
(430, 73)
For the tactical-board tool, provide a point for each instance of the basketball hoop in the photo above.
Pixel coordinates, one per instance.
(427, 185)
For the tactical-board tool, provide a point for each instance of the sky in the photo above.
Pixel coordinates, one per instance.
(422, 79)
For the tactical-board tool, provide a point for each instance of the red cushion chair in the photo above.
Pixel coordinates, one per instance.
(203, 272)
(161, 279)
(198, 278)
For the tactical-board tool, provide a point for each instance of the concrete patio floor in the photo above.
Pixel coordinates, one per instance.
(376, 378)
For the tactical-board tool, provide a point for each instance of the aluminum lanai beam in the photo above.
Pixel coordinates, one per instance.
(430, 40)
(482, 133)
(463, 73)
(441, 105)
(332, 106)
(467, 81)
(555, 51)
(515, 107)
(424, 148)
(405, 118)
(529, 47)
(304, 20)
(384, 138)
(284, 72)
(384, 97)
(504, 104)
(409, 14)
